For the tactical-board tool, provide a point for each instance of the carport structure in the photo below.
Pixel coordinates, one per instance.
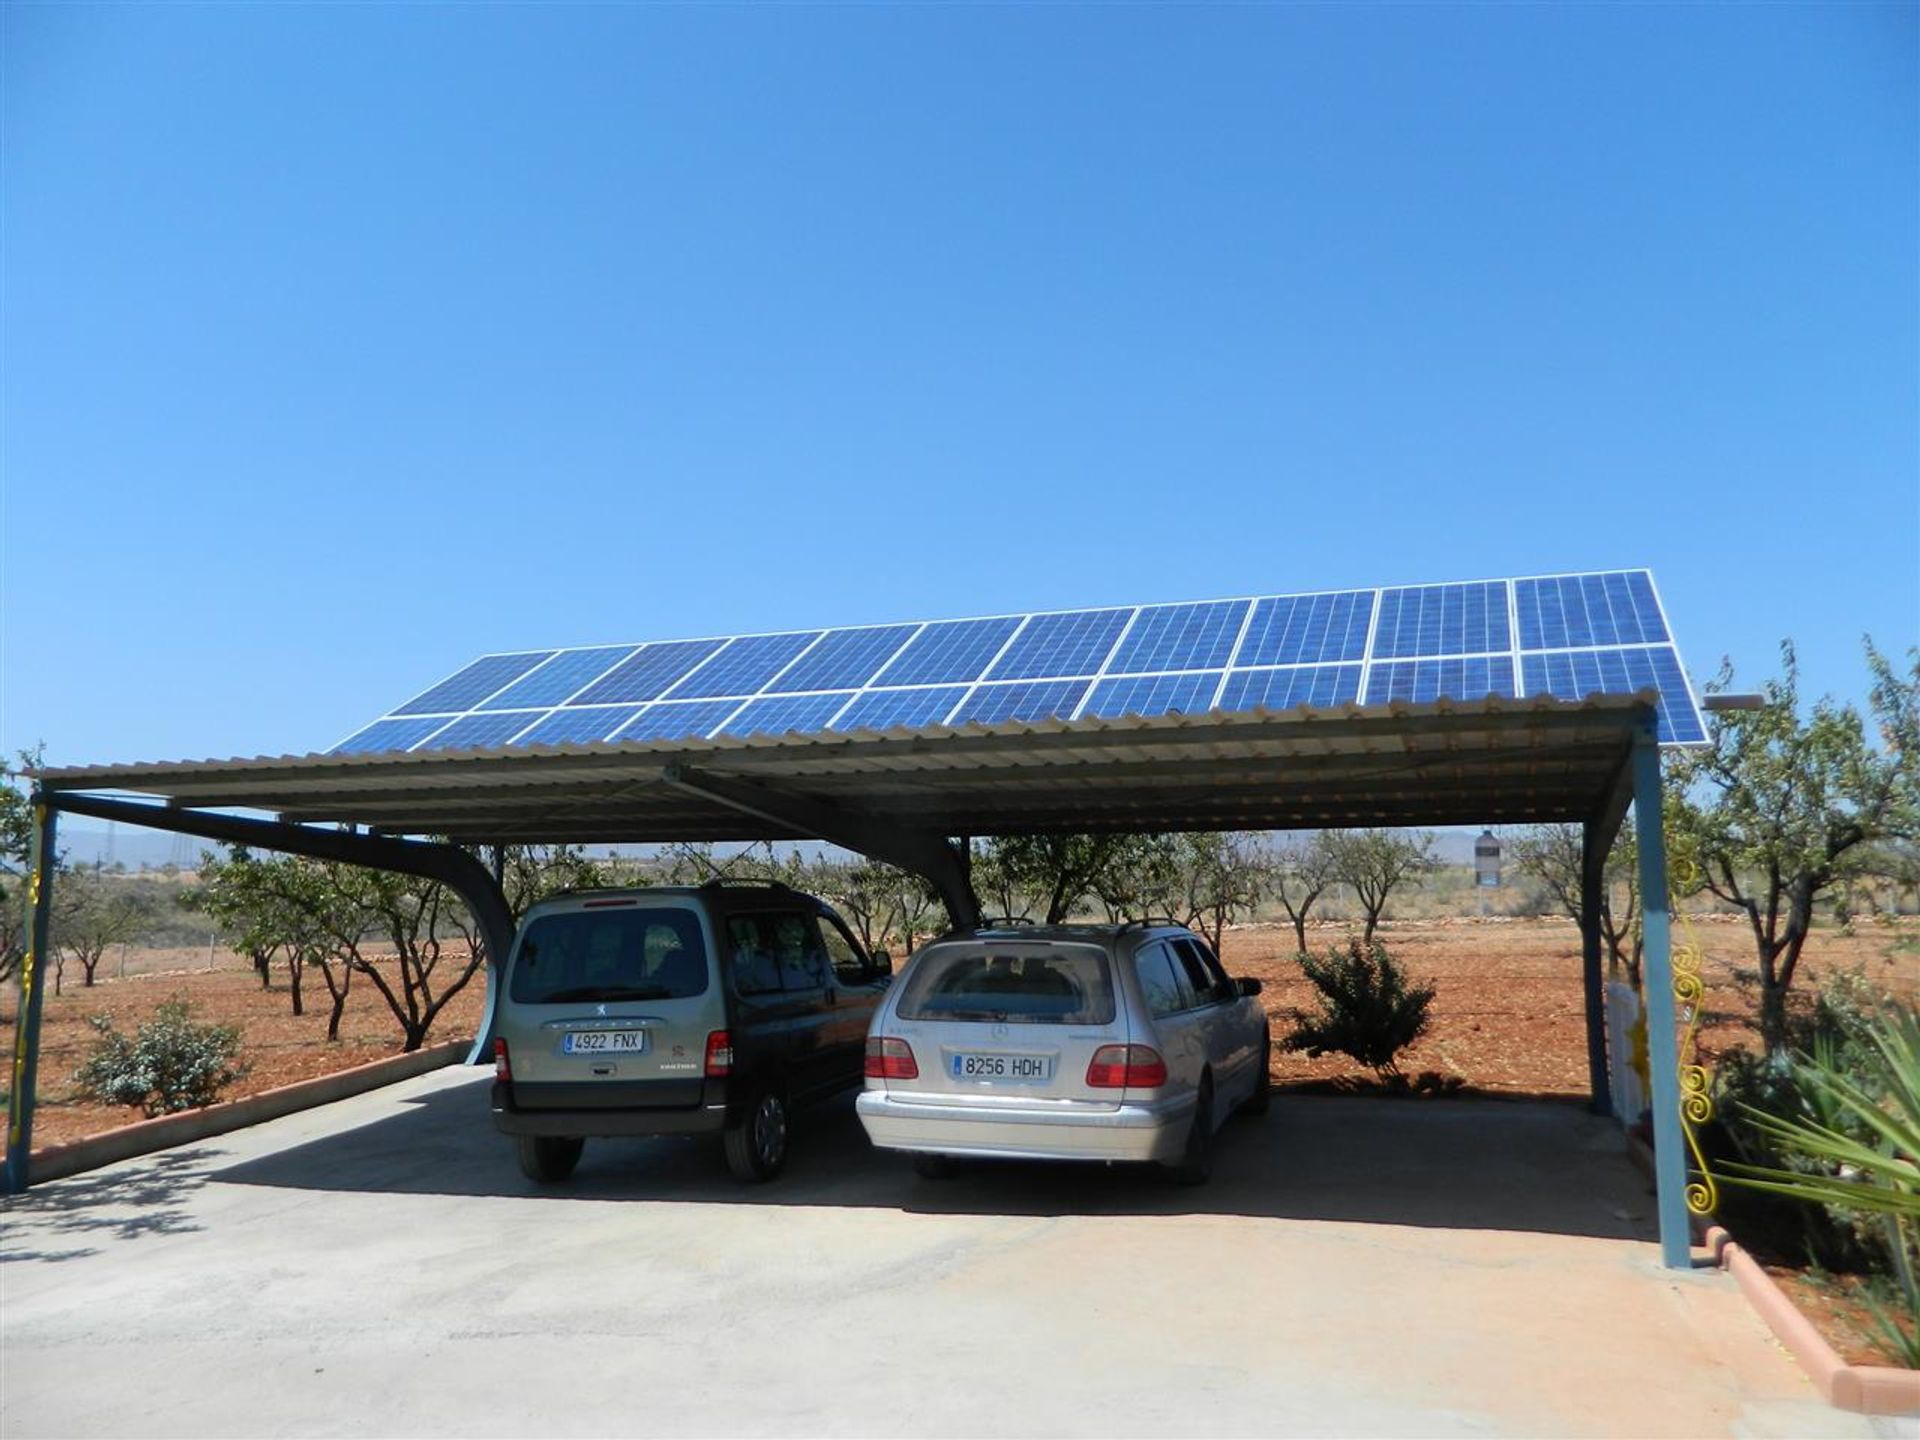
(903, 795)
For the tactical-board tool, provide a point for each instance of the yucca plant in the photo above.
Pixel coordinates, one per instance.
(1860, 1128)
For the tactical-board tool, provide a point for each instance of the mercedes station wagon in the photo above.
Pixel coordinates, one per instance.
(677, 1010)
(1073, 1042)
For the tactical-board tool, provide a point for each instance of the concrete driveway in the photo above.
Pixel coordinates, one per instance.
(379, 1267)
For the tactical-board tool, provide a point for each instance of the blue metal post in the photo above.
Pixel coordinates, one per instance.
(1663, 1058)
(26, 1032)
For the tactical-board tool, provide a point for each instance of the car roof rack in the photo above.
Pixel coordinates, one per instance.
(1005, 922)
(1148, 922)
(730, 882)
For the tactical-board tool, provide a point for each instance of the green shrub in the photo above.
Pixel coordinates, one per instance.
(1367, 1008)
(170, 1064)
(1844, 1136)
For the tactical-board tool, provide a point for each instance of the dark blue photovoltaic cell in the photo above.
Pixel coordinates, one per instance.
(647, 675)
(385, 735)
(1181, 637)
(678, 719)
(779, 714)
(1076, 643)
(579, 726)
(1442, 620)
(1571, 610)
(1190, 694)
(477, 732)
(1576, 674)
(948, 651)
(885, 709)
(473, 684)
(745, 665)
(1473, 678)
(1307, 629)
(558, 679)
(1022, 700)
(1316, 685)
(844, 660)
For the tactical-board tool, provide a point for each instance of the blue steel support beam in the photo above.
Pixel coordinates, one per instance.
(26, 1034)
(1593, 882)
(1663, 1059)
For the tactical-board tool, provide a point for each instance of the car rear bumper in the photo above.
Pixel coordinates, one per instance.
(588, 1123)
(1151, 1131)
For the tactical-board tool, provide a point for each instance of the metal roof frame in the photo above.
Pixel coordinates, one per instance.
(905, 795)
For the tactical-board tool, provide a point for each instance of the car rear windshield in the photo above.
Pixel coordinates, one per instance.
(614, 954)
(1054, 986)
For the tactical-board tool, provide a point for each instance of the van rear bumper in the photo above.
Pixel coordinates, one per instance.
(591, 1123)
(1155, 1131)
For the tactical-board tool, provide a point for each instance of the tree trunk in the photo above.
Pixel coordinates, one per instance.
(1300, 931)
(1373, 919)
(296, 967)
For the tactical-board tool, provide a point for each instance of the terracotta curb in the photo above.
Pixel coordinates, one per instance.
(54, 1162)
(1866, 1389)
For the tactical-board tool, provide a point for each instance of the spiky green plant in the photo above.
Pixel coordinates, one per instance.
(1860, 1127)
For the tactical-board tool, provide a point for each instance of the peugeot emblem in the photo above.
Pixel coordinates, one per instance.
(600, 1009)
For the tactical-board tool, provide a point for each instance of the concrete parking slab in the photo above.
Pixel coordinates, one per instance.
(1357, 1267)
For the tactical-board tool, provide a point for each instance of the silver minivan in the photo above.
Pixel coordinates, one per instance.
(677, 1010)
(1070, 1042)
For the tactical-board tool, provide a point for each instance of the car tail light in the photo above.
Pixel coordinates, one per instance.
(502, 1067)
(1126, 1067)
(890, 1058)
(719, 1053)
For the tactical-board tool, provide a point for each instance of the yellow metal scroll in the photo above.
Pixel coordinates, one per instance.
(1689, 993)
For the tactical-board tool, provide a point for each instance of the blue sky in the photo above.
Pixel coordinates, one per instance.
(342, 344)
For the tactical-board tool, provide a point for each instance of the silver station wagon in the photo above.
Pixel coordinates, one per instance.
(1071, 1042)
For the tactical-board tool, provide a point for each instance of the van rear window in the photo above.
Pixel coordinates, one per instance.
(615, 954)
(1056, 986)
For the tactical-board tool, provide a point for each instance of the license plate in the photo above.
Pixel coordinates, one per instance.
(1021, 1069)
(604, 1042)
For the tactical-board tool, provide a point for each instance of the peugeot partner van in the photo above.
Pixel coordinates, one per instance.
(677, 1010)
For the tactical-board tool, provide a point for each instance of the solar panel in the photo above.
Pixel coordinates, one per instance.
(1181, 637)
(649, 673)
(559, 679)
(1076, 643)
(1563, 635)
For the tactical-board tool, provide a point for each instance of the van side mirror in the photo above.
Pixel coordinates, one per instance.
(1247, 986)
(882, 962)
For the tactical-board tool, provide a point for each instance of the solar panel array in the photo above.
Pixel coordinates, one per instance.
(1563, 635)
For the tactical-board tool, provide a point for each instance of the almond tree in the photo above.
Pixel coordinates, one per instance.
(89, 919)
(1552, 855)
(1375, 863)
(1300, 873)
(1781, 809)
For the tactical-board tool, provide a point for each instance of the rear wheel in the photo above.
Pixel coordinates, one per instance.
(1257, 1103)
(548, 1158)
(1195, 1165)
(932, 1167)
(757, 1142)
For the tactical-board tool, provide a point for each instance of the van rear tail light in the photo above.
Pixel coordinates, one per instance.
(719, 1054)
(502, 1067)
(1126, 1067)
(890, 1058)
